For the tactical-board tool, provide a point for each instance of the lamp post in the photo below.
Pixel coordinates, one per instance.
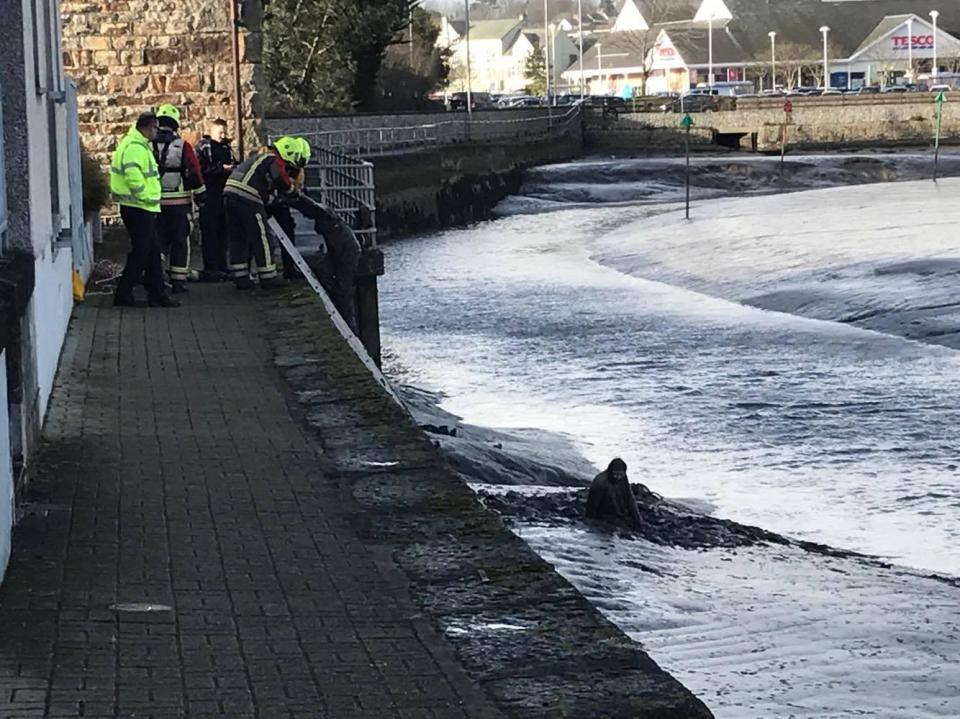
(826, 66)
(580, 23)
(710, 50)
(600, 68)
(935, 70)
(466, 4)
(546, 48)
(773, 59)
(910, 48)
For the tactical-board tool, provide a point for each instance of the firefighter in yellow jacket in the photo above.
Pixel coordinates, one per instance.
(181, 180)
(135, 185)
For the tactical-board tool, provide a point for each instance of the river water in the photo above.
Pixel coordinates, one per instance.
(788, 360)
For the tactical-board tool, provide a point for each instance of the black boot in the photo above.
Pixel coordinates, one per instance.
(243, 283)
(179, 287)
(163, 301)
(122, 300)
(271, 283)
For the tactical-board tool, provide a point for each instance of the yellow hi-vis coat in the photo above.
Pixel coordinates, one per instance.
(134, 177)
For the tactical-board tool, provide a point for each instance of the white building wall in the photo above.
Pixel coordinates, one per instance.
(49, 314)
(6, 473)
(52, 299)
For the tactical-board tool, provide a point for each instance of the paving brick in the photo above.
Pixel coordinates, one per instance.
(193, 482)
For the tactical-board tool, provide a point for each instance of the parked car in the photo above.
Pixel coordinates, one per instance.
(831, 91)
(516, 101)
(868, 90)
(478, 101)
(608, 103)
(567, 99)
(891, 89)
(940, 88)
(695, 102)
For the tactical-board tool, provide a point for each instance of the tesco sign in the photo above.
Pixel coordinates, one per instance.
(918, 42)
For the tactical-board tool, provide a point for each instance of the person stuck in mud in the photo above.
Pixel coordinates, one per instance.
(612, 499)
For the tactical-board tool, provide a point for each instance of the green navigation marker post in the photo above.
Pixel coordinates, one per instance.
(687, 122)
(941, 98)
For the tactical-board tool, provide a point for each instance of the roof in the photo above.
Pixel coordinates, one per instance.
(495, 29)
(886, 26)
(799, 21)
(693, 45)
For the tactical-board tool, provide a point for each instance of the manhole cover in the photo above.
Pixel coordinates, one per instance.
(139, 607)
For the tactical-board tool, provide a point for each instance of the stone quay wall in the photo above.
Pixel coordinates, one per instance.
(127, 56)
(812, 124)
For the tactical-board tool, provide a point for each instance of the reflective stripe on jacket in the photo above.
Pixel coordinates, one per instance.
(258, 178)
(134, 178)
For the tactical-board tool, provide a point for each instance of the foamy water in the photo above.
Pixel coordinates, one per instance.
(638, 334)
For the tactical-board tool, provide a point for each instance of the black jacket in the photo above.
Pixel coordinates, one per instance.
(213, 157)
(612, 501)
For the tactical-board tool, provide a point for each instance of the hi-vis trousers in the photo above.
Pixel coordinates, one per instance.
(173, 229)
(247, 230)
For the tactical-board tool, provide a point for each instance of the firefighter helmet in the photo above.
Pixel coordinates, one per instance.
(304, 152)
(288, 148)
(169, 111)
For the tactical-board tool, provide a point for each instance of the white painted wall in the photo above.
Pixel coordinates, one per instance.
(52, 299)
(6, 473)
(49, 313)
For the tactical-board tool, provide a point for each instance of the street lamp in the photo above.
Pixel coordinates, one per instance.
(466, 4)
(826, 67)
(710, 49)
(580, 23)
(546, 48)
(935, 71)
(599, 69)
(773, 59)
(910, 48)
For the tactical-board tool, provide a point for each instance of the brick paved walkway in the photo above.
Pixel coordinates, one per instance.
(175, 473)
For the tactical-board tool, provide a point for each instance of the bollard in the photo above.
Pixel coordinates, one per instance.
(367, 301)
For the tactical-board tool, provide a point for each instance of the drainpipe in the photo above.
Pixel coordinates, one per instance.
(238, 103)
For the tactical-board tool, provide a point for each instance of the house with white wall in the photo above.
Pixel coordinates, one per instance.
(498, 53)
(42, 238)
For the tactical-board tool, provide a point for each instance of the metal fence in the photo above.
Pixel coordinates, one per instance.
(373, 141)
(345, 185)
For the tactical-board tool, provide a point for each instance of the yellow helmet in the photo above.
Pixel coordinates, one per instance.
(169, 111)
(288, 148)
(305, 152)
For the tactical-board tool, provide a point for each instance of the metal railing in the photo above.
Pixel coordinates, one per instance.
(345, 185)
(373, 141)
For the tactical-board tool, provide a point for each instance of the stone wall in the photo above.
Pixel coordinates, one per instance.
(131, 55)
(812, 125)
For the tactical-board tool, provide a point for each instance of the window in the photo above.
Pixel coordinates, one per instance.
(49, 83)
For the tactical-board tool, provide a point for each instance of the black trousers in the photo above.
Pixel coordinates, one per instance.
(284, 218)
(247, 230)
(174, 230)
(213, 229)
(143, 261)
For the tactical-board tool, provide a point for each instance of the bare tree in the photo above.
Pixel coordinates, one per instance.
(794, 59)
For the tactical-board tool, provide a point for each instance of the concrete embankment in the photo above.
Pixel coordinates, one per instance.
(459, 174)
(520, 630)
(813, 124)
